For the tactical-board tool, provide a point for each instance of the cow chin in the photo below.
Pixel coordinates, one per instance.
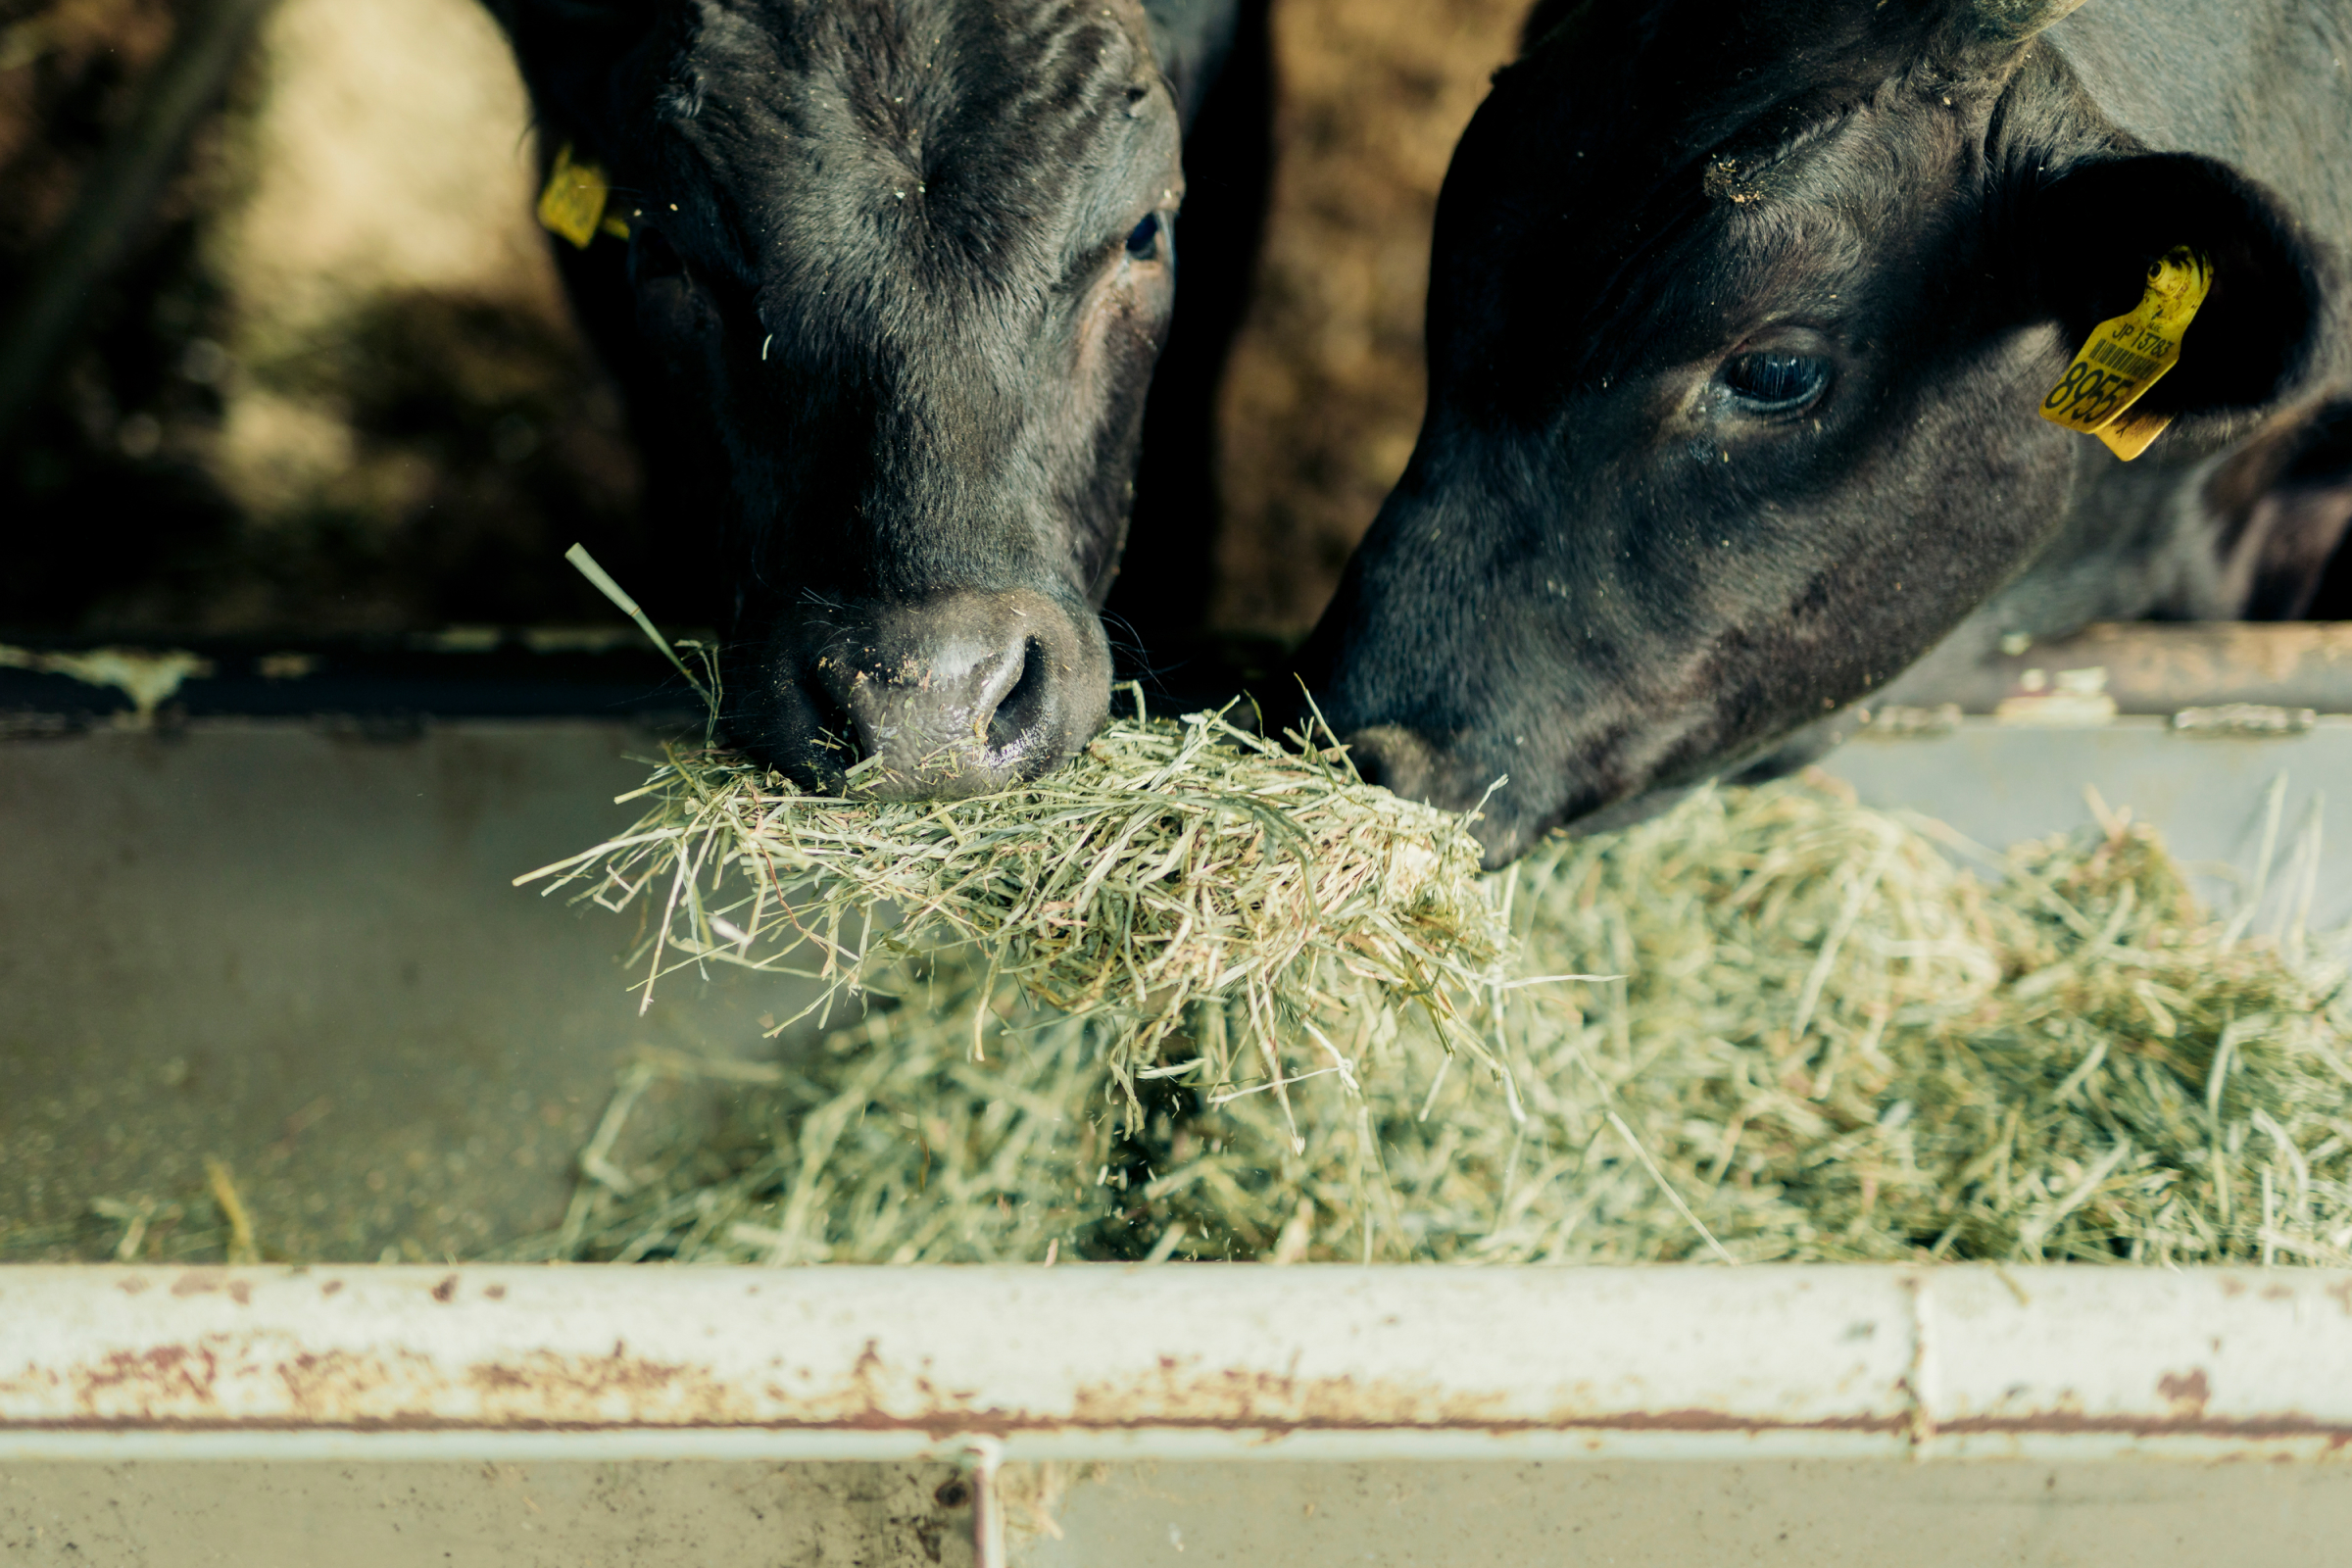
(939, 698)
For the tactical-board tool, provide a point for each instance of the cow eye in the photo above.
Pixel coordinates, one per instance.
(1767, 382)
(1143, 240)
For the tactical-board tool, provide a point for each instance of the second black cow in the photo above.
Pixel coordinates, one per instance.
(1741, 317)
(885, 283)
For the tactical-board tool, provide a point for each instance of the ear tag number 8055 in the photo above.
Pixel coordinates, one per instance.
(2124, 356)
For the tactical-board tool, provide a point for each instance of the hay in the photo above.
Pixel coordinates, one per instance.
(1832, 1043)
(1171, 867)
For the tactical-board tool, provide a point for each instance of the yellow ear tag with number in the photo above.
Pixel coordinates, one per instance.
(573, 203)
(2124, 356)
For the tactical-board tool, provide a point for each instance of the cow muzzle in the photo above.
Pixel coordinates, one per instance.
(1406, 762)
(939, 698)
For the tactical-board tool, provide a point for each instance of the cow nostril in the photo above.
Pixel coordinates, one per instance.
(1023, 707)
(933, 699)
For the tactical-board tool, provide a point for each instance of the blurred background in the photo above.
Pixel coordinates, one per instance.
(332, 386)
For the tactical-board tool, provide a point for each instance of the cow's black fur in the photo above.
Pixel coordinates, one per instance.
(888, 315)
(1606, 573)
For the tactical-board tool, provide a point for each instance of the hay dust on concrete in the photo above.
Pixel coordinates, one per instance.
(1839, 1035)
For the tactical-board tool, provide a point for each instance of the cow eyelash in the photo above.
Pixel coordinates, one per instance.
(1770, 381)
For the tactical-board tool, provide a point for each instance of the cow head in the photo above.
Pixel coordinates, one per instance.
(1740, 314)
(900, 271)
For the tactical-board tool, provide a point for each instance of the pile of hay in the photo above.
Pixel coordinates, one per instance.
(1831, 1042)
(1174, 870)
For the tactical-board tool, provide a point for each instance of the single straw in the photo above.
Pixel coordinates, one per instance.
(587, 567)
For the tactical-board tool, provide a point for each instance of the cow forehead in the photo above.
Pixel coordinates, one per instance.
(1635, 142)
(1629, 240)
(915, 135)
(1853, 193)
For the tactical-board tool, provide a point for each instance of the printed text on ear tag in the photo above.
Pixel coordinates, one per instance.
(2124, 356)
(573, 203)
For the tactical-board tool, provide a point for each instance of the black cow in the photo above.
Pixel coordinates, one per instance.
(1741, 314)
(888, 285)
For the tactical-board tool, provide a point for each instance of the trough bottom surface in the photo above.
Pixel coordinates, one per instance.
(564, 1515)
(1799, 1513)
(1817, 1513)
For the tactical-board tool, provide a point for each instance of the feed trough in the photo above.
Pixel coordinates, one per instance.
(286, 945)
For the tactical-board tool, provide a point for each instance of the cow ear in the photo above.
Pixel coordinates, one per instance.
(2092, 233)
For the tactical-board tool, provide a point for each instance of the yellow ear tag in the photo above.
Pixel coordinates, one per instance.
(573, 203)
(2124, 356)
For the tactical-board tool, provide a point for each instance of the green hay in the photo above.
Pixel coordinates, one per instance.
(1830, 1043)
(1172, 867)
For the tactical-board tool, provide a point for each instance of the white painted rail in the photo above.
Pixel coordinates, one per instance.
(1193, 1362)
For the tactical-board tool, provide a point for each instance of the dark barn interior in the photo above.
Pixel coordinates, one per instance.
(328, 387)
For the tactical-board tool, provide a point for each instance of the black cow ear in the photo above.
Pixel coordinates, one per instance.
(2092, 233)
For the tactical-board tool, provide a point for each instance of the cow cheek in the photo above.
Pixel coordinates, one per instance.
(1122, 328)
(1100, 427)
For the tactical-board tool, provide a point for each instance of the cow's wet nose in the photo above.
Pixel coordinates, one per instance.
(953, 695)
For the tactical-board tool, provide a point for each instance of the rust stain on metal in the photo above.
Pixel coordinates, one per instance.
(549, 1389)
(210, 1282)
(2187, 1395)
(341, 1387)
(167, 1374)
(252, 1380)
(2242, 1429)
(177, 1388)
(1696, 1420)
(1233, 1396)
(1282, 1403)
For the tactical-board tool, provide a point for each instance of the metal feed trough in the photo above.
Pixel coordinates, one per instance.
(289, 944)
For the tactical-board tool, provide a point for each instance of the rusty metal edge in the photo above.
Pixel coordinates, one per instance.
(1854, 1361)
(1636, 1436)
(1175, 1445)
